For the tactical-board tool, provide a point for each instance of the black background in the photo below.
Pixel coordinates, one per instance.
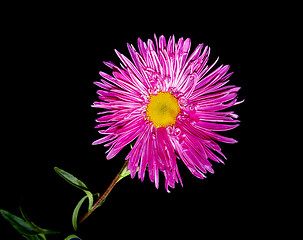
(52, 57)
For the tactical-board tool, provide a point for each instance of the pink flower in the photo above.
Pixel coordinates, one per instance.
(171, 104)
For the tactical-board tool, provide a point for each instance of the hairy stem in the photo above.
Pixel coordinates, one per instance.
(104, 195)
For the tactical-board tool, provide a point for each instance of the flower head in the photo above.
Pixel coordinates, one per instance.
(171, 103)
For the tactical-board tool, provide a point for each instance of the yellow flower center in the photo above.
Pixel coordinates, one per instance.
(163, 109)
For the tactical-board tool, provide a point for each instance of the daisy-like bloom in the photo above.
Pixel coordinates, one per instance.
(170, 103)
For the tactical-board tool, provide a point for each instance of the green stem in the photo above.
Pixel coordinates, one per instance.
(104, 195)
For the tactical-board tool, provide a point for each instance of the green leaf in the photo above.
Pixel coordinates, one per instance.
(72, 237)
(77, 183)
(19, 224)
(71, 179)
(76, 211)
(90, 199)
(125, 173)
(25, 227)
(42, 236)
(35, 237)
(34, 226)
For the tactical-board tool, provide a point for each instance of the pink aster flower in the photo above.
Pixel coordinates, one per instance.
(171, 103)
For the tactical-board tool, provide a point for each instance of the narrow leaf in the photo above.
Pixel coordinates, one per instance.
(35, 237)
(34, 226)
(71, 179)
(42, 236)
(125, 173)
(19, 224)
(76, 211)
(72, 237)
(90, 199)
